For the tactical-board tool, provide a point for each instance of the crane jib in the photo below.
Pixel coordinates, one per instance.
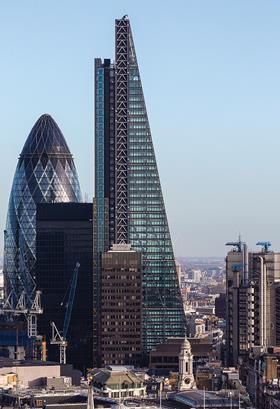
(70, 302)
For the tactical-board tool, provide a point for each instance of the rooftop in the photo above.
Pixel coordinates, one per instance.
(45, 138)
(118, 376)
(8, 362)
(195, 398)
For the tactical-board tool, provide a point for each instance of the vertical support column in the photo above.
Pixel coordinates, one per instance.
(265, 334)
(262, 301)
(62, 353)
(121, 96)
(31, 325)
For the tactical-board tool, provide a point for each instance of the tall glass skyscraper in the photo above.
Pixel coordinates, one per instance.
(129, 206)
(45, 173)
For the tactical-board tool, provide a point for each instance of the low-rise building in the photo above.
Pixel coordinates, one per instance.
(166, 356)
(208, 378)
(204, 399)
(261, 375)
(118, 382)
(30, 374)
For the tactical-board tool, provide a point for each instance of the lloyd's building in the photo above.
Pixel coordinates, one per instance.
(137, 302)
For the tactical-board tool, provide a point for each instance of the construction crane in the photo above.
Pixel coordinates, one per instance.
(265, 245)
(58, 337)
(236, 244)
(30, 308)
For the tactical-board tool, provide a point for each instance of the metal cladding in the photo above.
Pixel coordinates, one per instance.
(45, 173)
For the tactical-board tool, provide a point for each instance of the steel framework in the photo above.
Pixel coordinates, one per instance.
(59, 339)
(23, 305)
(122, 27)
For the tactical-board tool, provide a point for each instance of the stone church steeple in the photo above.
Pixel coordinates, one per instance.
(186, 379)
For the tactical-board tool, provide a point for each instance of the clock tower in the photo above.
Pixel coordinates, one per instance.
(186, 379)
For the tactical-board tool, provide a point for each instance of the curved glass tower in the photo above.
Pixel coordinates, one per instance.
(45, 173)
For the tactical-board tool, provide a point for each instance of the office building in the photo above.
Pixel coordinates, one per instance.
(221, 306)
(64, 237)
(13, 339)
(277, 313)
(121, 294)
(165, 357)
(252, 284)
(128, 205)
(261, 375)
(45, 173)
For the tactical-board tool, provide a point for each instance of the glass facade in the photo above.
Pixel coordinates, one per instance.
(64, 237)
(100, 159)
(45, 173)
(140, 217)
(148, 230)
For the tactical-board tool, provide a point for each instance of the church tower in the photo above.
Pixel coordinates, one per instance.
(186, 379)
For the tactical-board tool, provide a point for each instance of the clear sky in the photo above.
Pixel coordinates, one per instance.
(210, 73)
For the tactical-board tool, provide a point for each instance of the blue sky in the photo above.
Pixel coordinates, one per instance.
(210, 73)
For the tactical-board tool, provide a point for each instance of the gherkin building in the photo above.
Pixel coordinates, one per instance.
(45, 173)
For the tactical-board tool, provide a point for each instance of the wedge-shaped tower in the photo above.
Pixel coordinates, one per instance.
(129, 205)
(45, 173)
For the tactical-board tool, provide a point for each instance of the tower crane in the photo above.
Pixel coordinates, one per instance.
(265, 245)
(236, 244)
(23, 305)
(60, 337)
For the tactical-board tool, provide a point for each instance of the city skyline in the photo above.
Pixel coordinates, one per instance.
(222, 135)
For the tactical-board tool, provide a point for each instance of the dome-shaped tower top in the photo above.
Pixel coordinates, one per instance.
(45, 173)
(186, 346)
(45, 137)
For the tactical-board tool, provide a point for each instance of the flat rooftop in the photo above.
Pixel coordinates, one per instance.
(195, 398)
(7, 362)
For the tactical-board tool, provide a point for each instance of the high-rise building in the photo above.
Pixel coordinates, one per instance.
(252, 289)
(64, 237)
(221, 306)
(128, 205)
(121, 294)
(239, 326)
(45, 173)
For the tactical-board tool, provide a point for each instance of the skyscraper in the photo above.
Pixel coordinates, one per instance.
(121, 294)
(128, 205)
(252, 291)
(45, 173)
(64, 237)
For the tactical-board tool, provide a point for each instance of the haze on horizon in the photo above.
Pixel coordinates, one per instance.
(210, 73)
